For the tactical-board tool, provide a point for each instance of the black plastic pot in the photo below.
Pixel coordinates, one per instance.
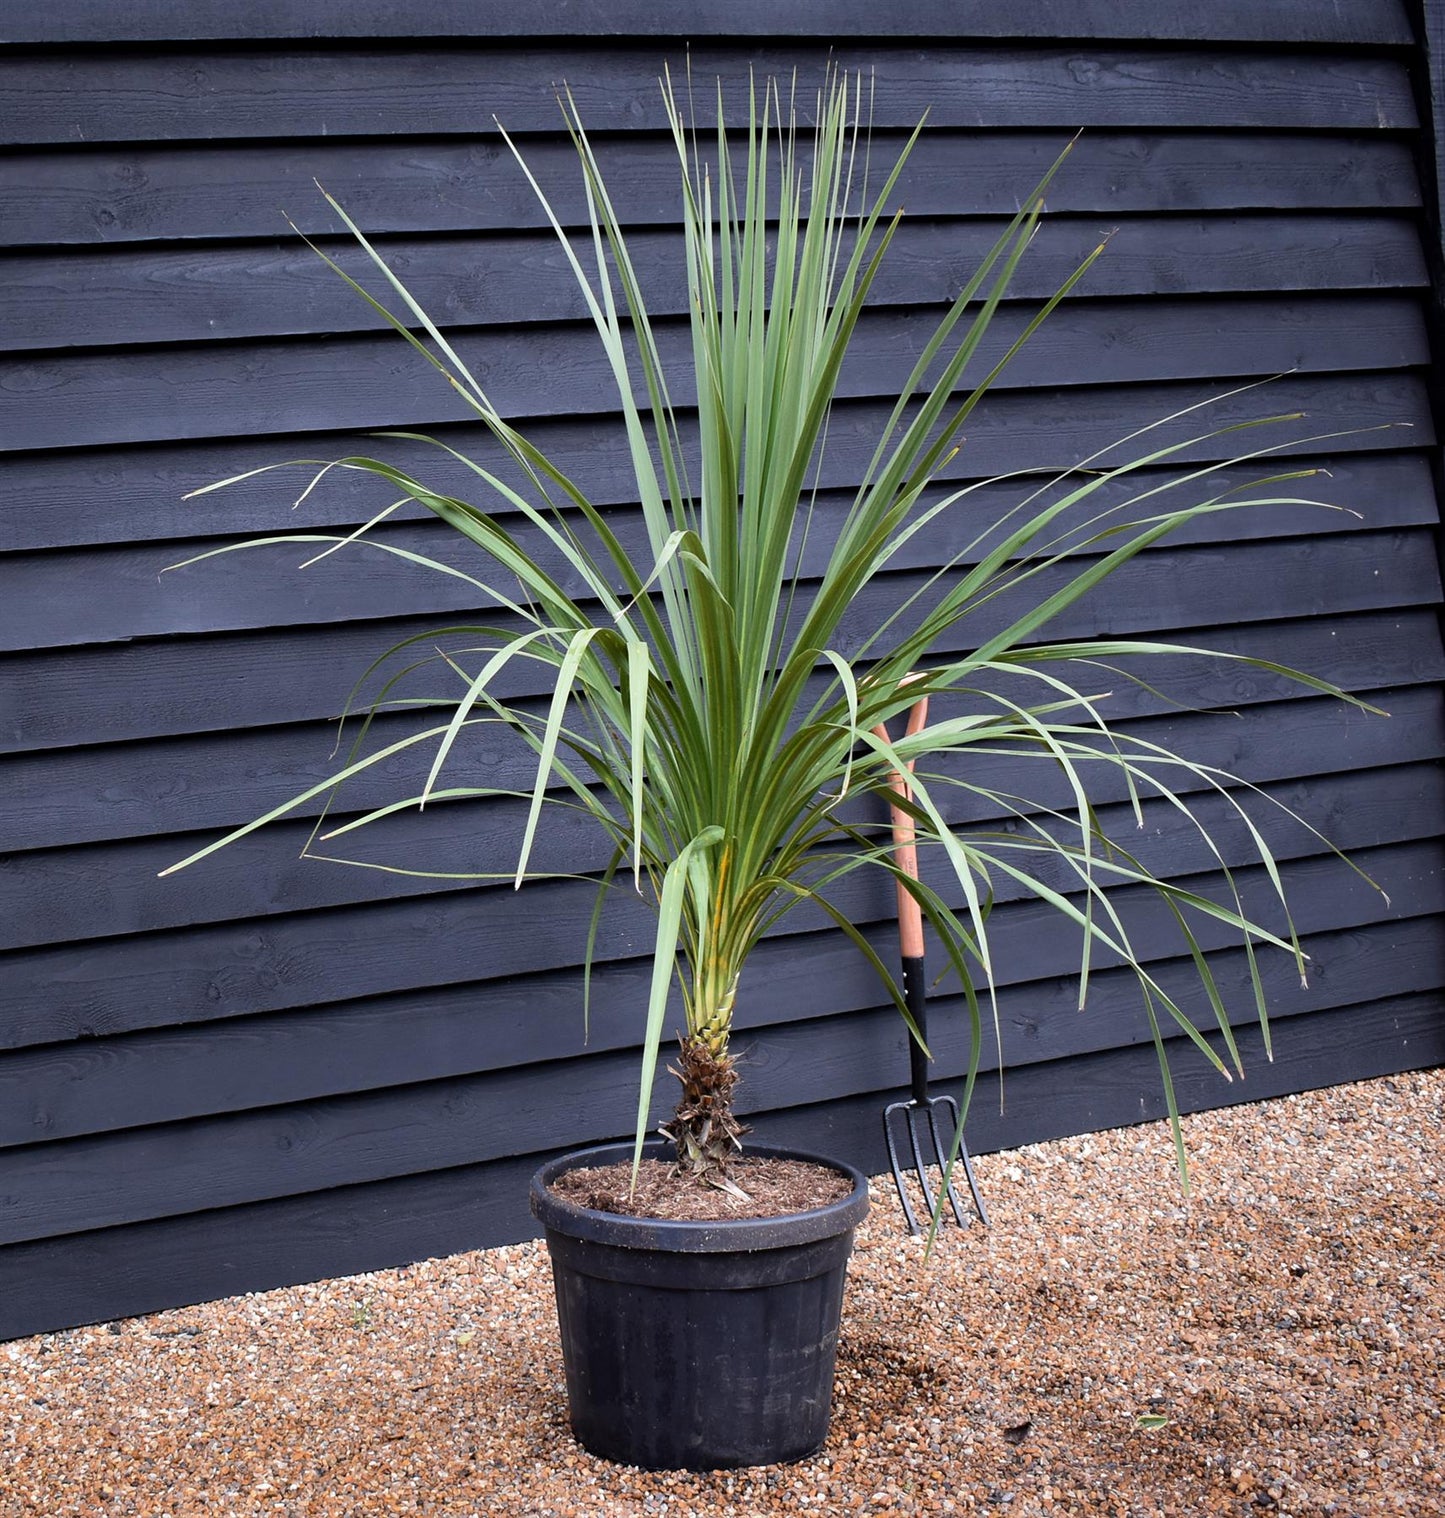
(698, 1346)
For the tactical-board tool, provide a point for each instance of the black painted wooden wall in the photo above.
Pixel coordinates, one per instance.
(267, 1070)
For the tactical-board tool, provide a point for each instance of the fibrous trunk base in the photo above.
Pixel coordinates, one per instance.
(704, 1128)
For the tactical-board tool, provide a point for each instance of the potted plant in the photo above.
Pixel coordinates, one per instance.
(717, 716)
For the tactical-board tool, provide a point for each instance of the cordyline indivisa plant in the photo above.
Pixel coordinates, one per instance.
(712, 710)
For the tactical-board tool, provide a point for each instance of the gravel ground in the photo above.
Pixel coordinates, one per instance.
(1270, 1346)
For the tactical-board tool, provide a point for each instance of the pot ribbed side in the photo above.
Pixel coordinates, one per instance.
(692, 1346)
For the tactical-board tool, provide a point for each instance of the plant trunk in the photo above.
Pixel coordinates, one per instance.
(707, 1134)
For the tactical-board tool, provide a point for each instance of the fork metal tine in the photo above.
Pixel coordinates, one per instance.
(910, 1117)
(893, 1160)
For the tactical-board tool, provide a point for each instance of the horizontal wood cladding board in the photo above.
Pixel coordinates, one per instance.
(166, 688)
(115, 194)
(103, 987)
(183, 785)
(92, 885)
(852, 1060)
(169, 1075)
(138, 493)
(1152, 596)
(63, 400)
(1367, 808)
(1367, 22)
(49, 601)
(104, 297)
(103, 95)
(73, 1185)
(1430, 28)
(147, 1267)
(56, 896)
(1042, 1021)
(84, 1278)
(1121, 1087)
(151, 688)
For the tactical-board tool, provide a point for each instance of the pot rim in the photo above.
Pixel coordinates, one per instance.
(714, 1236)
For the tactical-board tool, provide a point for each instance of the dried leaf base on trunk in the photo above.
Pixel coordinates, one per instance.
(704, 1127)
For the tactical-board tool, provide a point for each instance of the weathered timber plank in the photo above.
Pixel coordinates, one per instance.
(1430, 21)
(224, 684)
(50, 601)
(89, 795)
(99, 1085)
(1121, 1087)
(62, 400)
(1367, 22)
(105, 297)
(138, 493)
(55, 698)
(85, 1278)
(143, 1267)
(1042, 1021)
(70, 1186)
(162, 1171)
(116, 194)
(105, 987)
(98, 95)
(61, 895)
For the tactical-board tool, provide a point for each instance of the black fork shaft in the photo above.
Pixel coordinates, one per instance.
(915, 996)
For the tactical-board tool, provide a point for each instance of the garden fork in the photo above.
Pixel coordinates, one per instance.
(915, 1123)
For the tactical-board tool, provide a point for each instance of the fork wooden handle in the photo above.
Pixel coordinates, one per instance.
(905, 850)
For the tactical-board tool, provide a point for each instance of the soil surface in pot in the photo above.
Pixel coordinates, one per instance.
(774, 1188)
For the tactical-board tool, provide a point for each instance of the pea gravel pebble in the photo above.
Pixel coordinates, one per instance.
(1270, 1346)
